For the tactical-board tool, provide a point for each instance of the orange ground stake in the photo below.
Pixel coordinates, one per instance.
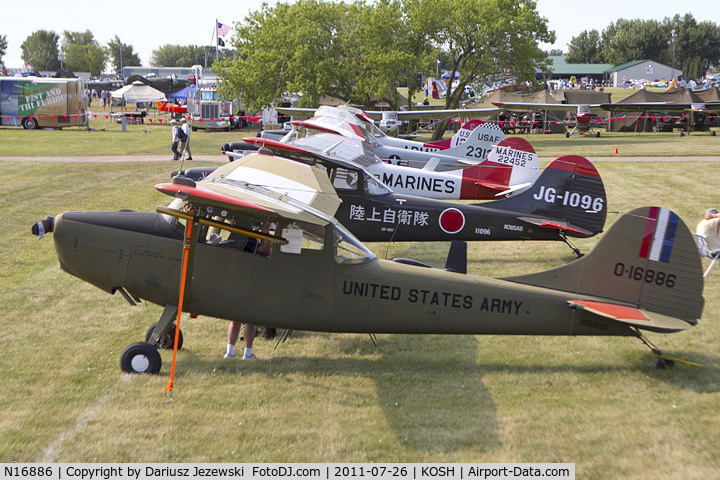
(186, 254)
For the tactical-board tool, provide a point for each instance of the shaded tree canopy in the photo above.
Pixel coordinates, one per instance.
(485, 40)
(41, 48)
(585, 48)
(83, 53)
(3, 48)
(186, 55)
(635, 40)
(354, 52)
(121, 54)
(359, 52)
(629, 40)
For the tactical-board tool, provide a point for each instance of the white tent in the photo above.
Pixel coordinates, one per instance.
(139, 92)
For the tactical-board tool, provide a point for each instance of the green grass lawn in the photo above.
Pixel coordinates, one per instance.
(596, 402)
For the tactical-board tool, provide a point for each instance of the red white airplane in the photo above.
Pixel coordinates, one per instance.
(511, 167)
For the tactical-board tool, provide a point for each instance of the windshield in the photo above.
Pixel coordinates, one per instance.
(373, 186)
(349, 250)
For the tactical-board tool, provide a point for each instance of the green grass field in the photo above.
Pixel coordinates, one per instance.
(596, 402)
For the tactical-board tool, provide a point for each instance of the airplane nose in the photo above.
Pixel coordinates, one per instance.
(43, 226)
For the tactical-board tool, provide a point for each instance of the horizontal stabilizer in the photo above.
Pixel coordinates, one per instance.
(556, 225)
(636, 317)
(514, 188)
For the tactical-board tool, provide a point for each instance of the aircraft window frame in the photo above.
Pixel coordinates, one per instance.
(351, 181)
(312, 239)
(375, 187)
(353, 251)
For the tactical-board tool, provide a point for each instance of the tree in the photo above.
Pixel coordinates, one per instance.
(83, 53)
(353, 52)
(186, 55)
(555, 52)
(692, 40)
(121, 55)
(3, 49)
(41, 48)
(585, 48)
(485, 40)
(634, 40)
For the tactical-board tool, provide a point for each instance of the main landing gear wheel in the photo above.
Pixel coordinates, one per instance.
(597, 134)
(165, 341)
(140, 357)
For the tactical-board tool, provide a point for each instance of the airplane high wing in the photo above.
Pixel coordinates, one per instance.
(421, 114)
(274, 186)
(512, 166)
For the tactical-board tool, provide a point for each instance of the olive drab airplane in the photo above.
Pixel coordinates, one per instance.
(567, 200)
(511, 167)
(644, 274)
(478, 137)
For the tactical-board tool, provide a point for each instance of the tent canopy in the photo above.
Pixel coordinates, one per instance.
(139, 92)
(183, 93)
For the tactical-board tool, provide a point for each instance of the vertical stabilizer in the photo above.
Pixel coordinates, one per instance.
(568, 195)
(647, 259)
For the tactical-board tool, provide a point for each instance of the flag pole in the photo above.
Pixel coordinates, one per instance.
(217, 40)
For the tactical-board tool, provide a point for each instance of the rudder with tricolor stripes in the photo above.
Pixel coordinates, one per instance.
(647, 259)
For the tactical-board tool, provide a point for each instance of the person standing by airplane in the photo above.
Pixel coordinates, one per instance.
(249, 331)
(184, 147)
(173, 147)
(710, 227)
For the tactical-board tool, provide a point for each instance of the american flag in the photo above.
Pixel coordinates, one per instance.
(222, 29)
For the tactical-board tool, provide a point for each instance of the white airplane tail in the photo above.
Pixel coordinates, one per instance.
(437, 88)
(476, 145)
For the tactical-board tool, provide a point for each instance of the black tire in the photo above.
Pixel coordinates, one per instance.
(165, 341)
(29, 123)
(140, 357)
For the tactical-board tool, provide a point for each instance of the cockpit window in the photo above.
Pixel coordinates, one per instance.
(303, 239)
(349, 250)
(373, 186)
(343, 179)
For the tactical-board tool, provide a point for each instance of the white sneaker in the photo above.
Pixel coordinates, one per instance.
(251, 357)
(227, 355)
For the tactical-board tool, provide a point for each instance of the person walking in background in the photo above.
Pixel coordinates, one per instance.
(184, 147)
(175, 139)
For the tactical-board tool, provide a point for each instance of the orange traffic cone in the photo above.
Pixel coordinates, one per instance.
(616, 151)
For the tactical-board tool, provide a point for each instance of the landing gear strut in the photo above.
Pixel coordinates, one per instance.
(143, 357)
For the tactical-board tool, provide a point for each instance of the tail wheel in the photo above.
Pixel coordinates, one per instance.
(140, 357)
(29, 123)
(167, 340)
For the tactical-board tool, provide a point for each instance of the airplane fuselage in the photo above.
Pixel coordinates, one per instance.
(315, 290)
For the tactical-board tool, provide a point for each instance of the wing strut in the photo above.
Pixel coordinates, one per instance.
(185, 280)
